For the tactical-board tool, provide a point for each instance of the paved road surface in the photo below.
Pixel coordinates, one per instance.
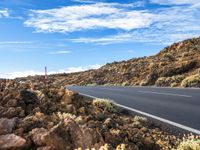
(181, 106)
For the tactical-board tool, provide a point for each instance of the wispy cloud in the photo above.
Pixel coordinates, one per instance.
(160, 25)
(26, 73)
(59, 52)
(174, 2)
(4, 13)
(84, 1)
(90, 16)
(18, 46)
(130, 51)
(15, 42)
(168, 25)
(105, 40)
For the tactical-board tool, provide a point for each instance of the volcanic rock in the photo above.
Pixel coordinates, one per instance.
(11, 141)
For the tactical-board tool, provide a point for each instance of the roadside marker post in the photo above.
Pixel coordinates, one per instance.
(46, 77)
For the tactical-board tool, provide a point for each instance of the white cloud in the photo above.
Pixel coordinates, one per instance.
(105, 40)
(168, 25)
(130, 51)
(15, 42)
(84, 1)
(21, 46)
(90, 16)
(59, 52)
(161, 25)
(18, 46)
(174, 2)
(4, 13)
(151, 37)
(16, 74)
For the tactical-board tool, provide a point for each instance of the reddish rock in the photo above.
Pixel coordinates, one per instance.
(56, 138)
(37, 135)
(82, 137)
(11, 141)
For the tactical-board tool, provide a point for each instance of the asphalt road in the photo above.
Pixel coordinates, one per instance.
(181, 106)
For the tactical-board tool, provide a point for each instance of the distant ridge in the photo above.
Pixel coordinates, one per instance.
(177, 65)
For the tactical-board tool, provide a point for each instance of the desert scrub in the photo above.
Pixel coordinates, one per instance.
(168, 56)
(108, 84)
(185, 54)
(191, 81)
(174, 85)
(57, 117)
(143, 82)
(189, 143)
(162, 81)
(105, 105)
(169, 81)
(178, 78)
(138, 120)
(91, 84)
(126, 83)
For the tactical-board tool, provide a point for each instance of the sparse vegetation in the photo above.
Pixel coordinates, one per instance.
(143, 83)
(126, 83)
(108, 84)
(138, 120)
(162, 81)
(168, 56)
(168, 68)
(62, 116)
(169, 81)
(105, 105)
(190, 143)
(91, 84)
(191, 81)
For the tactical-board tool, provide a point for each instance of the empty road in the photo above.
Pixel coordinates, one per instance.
(181, 106)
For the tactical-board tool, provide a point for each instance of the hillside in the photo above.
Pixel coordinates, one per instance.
(176, 65)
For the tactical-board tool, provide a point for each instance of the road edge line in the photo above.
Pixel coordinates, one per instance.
(152, 116)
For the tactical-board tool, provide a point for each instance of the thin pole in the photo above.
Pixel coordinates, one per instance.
(45, 78)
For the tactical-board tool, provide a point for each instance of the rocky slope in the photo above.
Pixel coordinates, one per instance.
(34, 116)
(177, 65)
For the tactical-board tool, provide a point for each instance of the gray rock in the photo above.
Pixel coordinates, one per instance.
(7, 125)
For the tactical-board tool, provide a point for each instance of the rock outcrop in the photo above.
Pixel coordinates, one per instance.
(35, 116)
(11, 141)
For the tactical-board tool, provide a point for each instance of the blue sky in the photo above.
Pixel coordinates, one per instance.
(75, 35)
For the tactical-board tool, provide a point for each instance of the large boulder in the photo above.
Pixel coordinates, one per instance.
(7, 125)
(11, 141)
(66, 135)
(11, 112)
(56, 138)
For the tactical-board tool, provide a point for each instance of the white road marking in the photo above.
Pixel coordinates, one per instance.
(170, 94)
(153, 116)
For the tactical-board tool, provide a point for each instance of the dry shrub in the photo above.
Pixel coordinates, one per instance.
(190, 142)
(191, 81)
(105, 105)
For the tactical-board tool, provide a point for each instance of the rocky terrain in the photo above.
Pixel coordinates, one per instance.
(35, 115)
(38, 117)
(177, 65)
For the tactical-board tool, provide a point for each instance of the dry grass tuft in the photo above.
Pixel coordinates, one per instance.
(105, 105)
(191, 81)
(190, 142)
